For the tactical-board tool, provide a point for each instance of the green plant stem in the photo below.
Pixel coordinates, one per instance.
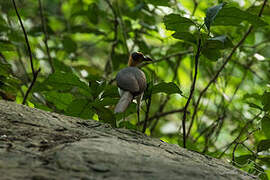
(191, 92)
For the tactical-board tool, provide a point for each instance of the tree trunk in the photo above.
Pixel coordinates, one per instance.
(35, 144)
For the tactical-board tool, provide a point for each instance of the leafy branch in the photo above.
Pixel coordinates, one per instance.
(35, 73)
(227, 59)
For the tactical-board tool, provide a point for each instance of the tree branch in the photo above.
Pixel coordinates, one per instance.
(159, 115)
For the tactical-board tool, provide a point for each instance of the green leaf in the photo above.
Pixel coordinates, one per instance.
(177, 23)
(186, 37)
(219, 42)
(64, 81)
(265, 123)
(5, 69)
(96, 85)
(60, 100)
(118, 59)
(211, 54)
(252, 95)
(265, 160)
(263, 145)
(80, 108)
(244, 159)
(266, 101)
(69, 44)
(168, 88)
(211, 14)
(105, 115)
(254, 106)
(212, 47)
(105, 102)
(110, 91)
(128, 125)
(5, 46)
(60, 66)
(231, 16)
(92, 13)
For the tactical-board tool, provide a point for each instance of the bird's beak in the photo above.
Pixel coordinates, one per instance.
(147, 58)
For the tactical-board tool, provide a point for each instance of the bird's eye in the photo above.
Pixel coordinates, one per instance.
(136, 56)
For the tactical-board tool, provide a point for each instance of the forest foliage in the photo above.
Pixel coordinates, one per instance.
(208, 86)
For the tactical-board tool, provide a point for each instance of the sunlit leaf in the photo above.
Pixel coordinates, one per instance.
(232, 16)
(177, 23)
(211, 14)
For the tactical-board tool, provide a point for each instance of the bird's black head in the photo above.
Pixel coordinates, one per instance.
(136, 58)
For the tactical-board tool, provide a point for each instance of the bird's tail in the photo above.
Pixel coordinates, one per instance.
(123, 103)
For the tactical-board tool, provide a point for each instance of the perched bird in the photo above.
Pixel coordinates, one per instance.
(131, 83)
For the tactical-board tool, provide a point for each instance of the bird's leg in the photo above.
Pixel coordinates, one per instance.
(139, 100)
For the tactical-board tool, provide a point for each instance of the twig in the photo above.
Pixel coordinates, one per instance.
(242, 143)
(222, 67)
(115, 39)
(248, 67)
(26, 38)
(148, 104)
(191, 92)
(35, 73)
(31, 86)
(215, 123)
(122, 26)
(160, 110)
(167, 57)
(44, 29)
(239, 135)
(195, 7)
(159, 115)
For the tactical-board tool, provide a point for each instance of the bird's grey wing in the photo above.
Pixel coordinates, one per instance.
(126, 80)
(141, 79)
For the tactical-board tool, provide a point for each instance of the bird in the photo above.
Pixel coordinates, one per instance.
(131, 82)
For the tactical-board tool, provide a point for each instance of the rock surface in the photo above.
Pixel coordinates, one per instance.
(40, 145)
